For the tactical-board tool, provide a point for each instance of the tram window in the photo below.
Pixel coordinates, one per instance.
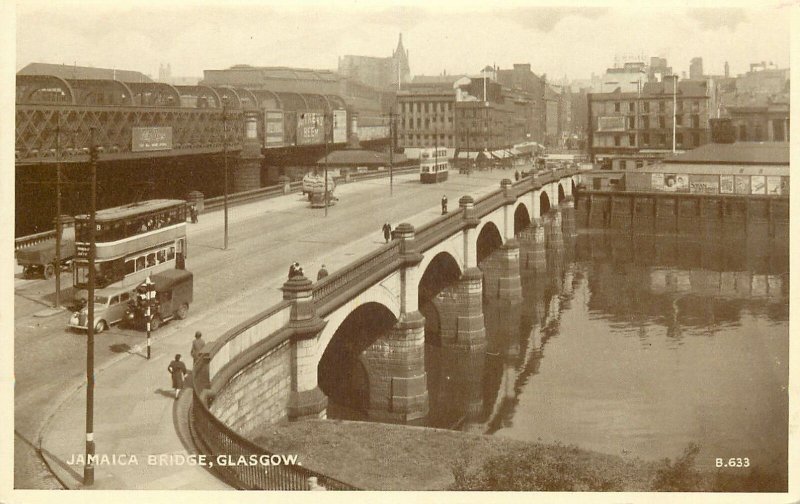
(139, 263)
(151, 260)
(130, 266)
(171, 253)
(161, 255)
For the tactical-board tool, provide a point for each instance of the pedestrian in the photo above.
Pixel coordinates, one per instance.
(197, 346)
(516, 175)
(193, 213)
(294, 270)
(387, 232)
(177, 370)
(444, 204)
(322, 273)
(300, 271)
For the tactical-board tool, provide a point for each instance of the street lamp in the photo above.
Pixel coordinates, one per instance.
(674, 110)
(325, 136)
(225, 164)
(88, 468)
(57, 265)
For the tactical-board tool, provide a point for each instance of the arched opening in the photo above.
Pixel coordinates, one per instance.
(489, 240)
(544, 203)
(521, 219)
(561, 195)
(342, 372)
(442, 271)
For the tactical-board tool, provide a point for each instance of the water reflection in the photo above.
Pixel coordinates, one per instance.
(635, 347)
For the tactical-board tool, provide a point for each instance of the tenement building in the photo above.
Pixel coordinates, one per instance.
(631, 129)
(426, 113)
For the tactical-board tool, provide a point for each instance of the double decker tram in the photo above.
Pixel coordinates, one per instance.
(433, 165)
(131, 242)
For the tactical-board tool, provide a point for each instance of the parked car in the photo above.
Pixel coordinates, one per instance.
(173, 290)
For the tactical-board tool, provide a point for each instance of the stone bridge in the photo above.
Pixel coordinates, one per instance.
(358, 337)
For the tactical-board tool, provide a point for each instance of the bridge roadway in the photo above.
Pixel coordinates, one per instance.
(265, 237)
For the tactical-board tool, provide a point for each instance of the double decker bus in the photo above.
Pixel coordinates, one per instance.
(131, 242)
(433, 165)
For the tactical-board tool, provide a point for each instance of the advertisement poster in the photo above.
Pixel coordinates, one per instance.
(742, 184)
(785, 185)
(156, 138)
(676, 182)
(339, 126)
(310, 128)
(615, 123)
(704, 184)
(657, 181)
(774, 186)
(758, 184)
(273, 120)
(726, 184)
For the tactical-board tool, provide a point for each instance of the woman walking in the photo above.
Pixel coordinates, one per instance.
(177, 370)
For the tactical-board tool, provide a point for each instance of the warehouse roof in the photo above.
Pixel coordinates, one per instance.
(739, 153)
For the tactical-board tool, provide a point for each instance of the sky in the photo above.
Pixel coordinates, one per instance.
(575, 39)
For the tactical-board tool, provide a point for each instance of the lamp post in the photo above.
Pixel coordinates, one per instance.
(150, 293)
(325, 136)
(57, 265)
(392, 140)
(225, 165)
(88, 468)
(674, 110)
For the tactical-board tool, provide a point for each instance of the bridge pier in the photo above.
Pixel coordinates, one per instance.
(554, 239)
(567, 208)
(533, 256)
(306, 399)
(398, 389)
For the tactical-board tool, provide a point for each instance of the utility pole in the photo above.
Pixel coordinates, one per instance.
(88, 468)
(392, 140)
(325, 136)
(225, 164)
(149, 286)
(674, 110)
(57, 265)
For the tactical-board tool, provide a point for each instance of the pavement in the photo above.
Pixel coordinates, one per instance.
(135, 412)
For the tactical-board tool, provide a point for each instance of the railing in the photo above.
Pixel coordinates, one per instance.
(27, 241)
(217, 438)
(214, 437)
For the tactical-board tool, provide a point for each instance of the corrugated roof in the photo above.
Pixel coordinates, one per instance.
(81, 72)
(743, 153)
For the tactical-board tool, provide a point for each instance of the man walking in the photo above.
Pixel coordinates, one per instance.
(322, 273)
(444, 204)
(197, 346)
(387, 232)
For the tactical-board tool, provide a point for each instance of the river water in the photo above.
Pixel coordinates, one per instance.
(636, 347)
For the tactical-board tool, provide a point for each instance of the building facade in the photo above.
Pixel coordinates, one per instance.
(380, 73)
(629, 129)
(426, 115)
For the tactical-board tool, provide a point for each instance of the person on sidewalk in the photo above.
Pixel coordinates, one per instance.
(444, 204)
(313, 485)
(177, 370)
(322, 273)
(197, 346)
(387, 231)
(193, 214)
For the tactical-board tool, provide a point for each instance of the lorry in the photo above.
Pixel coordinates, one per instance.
(314, 187)
(172, 293)
(40, 259)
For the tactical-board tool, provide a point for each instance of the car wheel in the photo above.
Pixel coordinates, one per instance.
(100, 326)
(155, 323)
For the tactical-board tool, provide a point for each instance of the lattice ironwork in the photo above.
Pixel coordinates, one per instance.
(194, 130)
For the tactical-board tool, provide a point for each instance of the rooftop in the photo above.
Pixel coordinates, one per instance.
(82, 72)
(741, 153)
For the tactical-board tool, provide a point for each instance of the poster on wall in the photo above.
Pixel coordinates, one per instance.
(310, 128)
(339, 126)
(785, 185)
(704, 184)
(774, 186)
(742, 184)
(758, 184)
(676, 182)
(613, 123)
(726, 184)
(657, 181)
(273, 125)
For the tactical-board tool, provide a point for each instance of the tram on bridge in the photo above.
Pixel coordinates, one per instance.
(132, 242)
(433, 165)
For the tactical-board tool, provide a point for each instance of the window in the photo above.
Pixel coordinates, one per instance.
(617, 141)
(631, 107)
(631, 122)
(645, 122)
(695, 121)
(679, 119)
(124, 297)
(171, 253)
(679, 138)
(639, 164)
(139, 263)
(596, 184)
(661, 122)
(632, 140)
(114, 300)
(130, 266)
(646, 106)
(616, 107)
(645, 138)
(662, 139)
(151, 259)
(161, 256)
(695, 139)
(662, 106)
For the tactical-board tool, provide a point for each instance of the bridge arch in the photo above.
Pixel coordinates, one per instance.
(489, 240)
(522, 218)
(544, 203)
(343, 373)
(561, 195)
(44, 89)
(442, 271)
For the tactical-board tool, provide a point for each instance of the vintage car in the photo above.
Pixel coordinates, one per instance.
(172, 293)
(110, 305)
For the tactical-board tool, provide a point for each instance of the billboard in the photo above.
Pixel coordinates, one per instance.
(742, 184)
(670, 182)
(758, 184)
(339, 126)
(373, 132)
(726, 184)
(704, 184)
(146, 139)
(774, 186)
(273, 127)
(310, 128)
(613, 123)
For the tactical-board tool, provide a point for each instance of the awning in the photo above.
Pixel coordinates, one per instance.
(467, 155)
(500, 154)
(514, 151)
